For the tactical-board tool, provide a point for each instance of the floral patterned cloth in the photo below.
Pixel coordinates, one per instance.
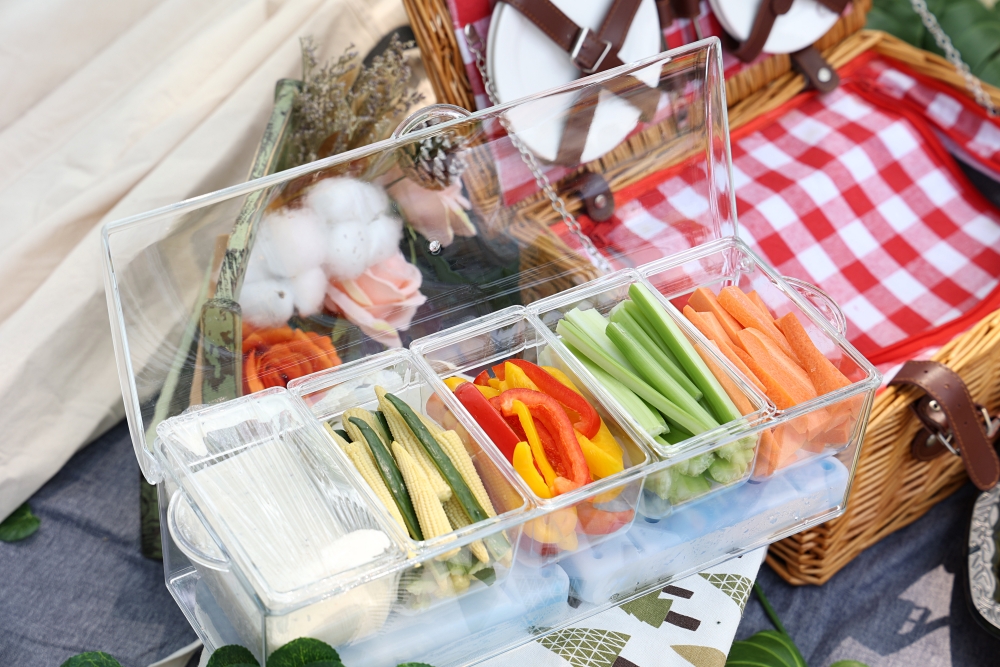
(690, 622)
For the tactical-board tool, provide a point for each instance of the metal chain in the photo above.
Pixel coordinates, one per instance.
(475, 45)
(972, 82)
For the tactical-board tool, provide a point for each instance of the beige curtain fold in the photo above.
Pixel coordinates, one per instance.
(111, 109)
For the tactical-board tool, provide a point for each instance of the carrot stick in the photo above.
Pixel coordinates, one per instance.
(822, 372)
(775, 352)
(704, 301)
(759, 302)
(739, 399)
(780, 375)
(708, 324)
(746, 313)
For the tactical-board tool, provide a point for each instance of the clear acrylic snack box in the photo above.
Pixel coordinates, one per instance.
(248, 321)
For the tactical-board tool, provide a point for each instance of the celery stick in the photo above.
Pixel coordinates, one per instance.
(635, 312)
(661, 381)
(660, 484)
(685, 487)
(592, 324)
(690, 360)
(621, 317)
(726, 472)
(696, 465)
(581, 342)
(649, 420)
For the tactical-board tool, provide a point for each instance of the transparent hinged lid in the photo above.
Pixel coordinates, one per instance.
(456, 216)
(261, 489)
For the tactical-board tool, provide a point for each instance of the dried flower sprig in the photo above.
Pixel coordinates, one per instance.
(344, 104)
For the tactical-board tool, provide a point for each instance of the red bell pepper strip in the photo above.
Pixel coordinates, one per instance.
(564, 453)
(488, 418)
(483, 379)
(590, 421)
(498, 371)
(594, 521)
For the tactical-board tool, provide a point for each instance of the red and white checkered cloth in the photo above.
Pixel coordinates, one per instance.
(854, 192)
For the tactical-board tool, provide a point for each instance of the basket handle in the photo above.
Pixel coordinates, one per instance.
(183, 530)
(823, 302)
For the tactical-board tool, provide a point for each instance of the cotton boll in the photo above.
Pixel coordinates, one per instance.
(384, 234)
(342, 199)
(267, 303)
(293, 240)
(257, 267)
(309, 290)
(347, 251)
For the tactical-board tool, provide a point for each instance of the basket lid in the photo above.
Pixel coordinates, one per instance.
(451, 218)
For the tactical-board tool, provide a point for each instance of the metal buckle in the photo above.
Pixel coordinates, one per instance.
(944, 439)
(578, 46)
(992, 424)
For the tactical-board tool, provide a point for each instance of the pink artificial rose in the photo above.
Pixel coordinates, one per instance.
(440, 215)
(382, 300)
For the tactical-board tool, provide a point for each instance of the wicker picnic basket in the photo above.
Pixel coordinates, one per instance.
(891, 489)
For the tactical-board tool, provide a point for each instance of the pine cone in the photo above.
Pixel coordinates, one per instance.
(434, 162)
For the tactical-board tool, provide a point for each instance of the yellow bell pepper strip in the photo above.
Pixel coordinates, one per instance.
(515, 378)
(553, 528)
(496, 384)
(600, 463)
(454, 381)
(562, 377)
(607, 442)
(531, 433)
(588, 422)
(524, 464)
(487, 392)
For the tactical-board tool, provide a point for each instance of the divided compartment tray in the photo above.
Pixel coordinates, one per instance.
(559, 529)
(660, 495)
(830, 423)
(328, 394)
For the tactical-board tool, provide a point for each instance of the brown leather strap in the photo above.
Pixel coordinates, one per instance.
(687, 9)
(958, 414)
(594, 191)
(762, 24)
(665, 10)
(819, 73)
(835, 6)
(591, 52)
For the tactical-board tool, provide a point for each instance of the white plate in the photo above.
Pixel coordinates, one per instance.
(521, 60)
(802, 25)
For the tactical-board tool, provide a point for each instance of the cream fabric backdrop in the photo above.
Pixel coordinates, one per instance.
(109, 109)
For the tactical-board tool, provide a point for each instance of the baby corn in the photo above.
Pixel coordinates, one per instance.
(405, 437)
(452, 445)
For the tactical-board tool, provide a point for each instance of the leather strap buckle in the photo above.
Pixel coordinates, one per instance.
(951, 421)
(574, 54)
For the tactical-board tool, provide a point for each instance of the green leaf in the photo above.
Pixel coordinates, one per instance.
(232, 655)
(765, 649)
(19, 525)
(91, 659)
(305, 652)
(487, 575)
(848, 663)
